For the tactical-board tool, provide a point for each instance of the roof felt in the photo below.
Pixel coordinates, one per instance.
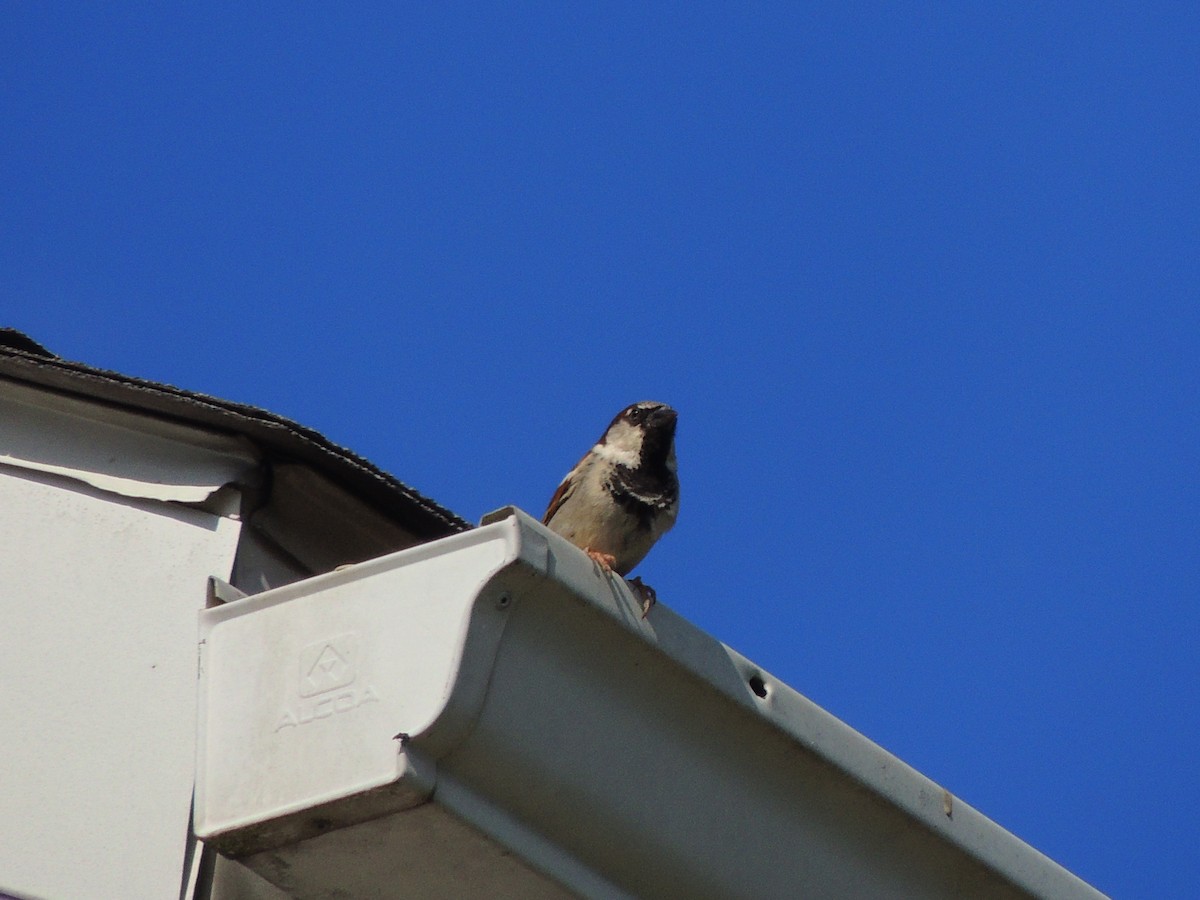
(24, 359)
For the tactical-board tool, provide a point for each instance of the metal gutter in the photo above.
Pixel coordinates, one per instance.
(489, 715)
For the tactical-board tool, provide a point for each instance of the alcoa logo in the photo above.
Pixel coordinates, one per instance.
(328, 672)
(327, 665)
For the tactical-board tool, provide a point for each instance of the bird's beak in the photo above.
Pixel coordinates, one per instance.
(664, 416)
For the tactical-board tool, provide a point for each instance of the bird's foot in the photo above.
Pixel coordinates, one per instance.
(606, 561)
(643, 592)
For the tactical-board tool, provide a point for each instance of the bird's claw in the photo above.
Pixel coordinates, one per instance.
(606, 561)
(643, 592)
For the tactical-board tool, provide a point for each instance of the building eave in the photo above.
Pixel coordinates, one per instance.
(277, 438)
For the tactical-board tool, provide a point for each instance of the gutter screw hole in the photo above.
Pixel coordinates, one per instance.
(758, 685)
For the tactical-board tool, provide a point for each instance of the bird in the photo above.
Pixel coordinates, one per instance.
(623, 495)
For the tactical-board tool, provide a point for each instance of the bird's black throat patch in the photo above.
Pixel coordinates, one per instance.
(642, 492)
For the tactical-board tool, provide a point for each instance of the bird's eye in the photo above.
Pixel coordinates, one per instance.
(635, 414)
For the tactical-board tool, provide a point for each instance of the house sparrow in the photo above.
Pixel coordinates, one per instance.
(624, 494)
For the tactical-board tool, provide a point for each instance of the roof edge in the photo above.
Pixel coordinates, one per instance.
(24, 359)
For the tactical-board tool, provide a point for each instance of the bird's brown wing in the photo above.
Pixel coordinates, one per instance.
(564, 491)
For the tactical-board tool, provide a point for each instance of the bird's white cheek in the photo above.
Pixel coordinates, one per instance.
(616, 454)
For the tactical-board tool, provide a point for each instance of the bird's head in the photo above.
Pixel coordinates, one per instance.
(641, 433)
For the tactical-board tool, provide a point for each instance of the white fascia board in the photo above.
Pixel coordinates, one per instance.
(498, 683)
(115, 450)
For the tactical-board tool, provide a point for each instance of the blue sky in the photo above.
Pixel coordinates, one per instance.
(921, 279)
